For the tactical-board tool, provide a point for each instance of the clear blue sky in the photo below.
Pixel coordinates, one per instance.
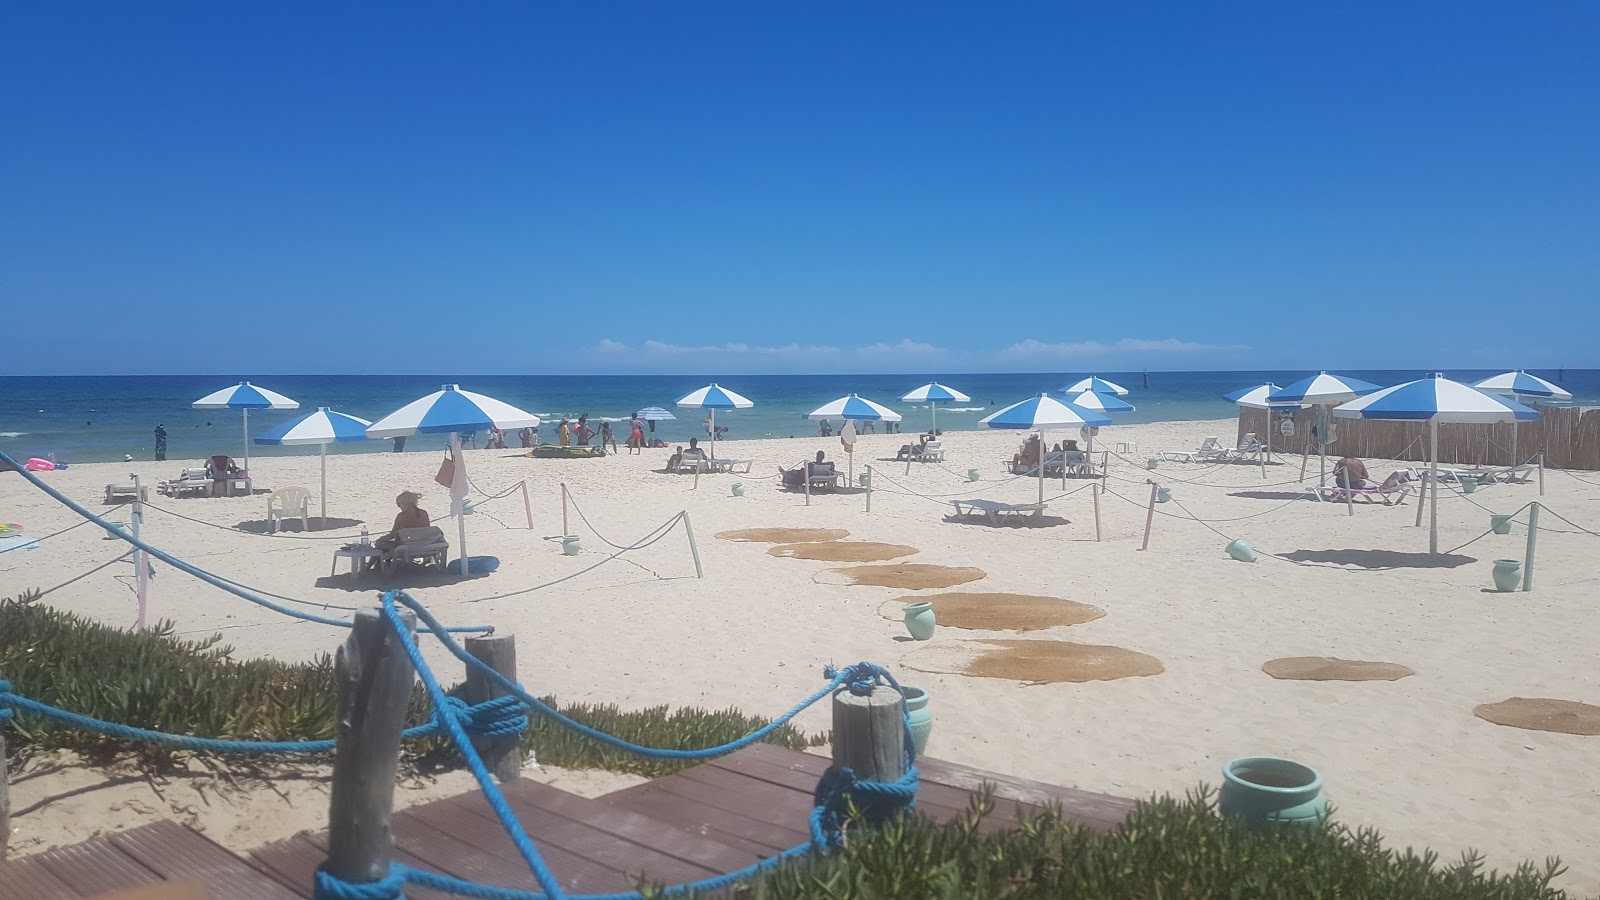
(821, 186)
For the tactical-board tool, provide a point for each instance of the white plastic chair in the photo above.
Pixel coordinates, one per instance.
(288, 502)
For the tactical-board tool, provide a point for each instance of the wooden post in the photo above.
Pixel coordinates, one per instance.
(1095, 491)
(527, 505)
(1149, 516)
(1541, 473)
(141, 566)
(373, 675)
(694, 549)
(805, 470)
(502, 754)
(1422, 497)
(869, 733)
(1533, 538)
(564, 529)
(869, 488)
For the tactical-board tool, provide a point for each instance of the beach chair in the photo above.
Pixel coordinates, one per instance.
(426, 545)
(822, 476)
(730, 465)
(1393, 490)
(289, 502)
(116, 493)
(1211, 448)
(932, 451)
(995, 511)
(223, 471)
(1249, 447)
(692, 461)
(188, 481)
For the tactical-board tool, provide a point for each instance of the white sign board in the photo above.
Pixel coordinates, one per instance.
(1286, 427)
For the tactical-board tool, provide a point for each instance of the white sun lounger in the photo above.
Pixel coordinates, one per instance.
(994, 510)
(1209, 449)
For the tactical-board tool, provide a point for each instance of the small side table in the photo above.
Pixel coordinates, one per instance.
(358, 557)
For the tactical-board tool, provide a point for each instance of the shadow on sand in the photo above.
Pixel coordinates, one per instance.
(292, 526)
(1008, 522)
(1269, 495)
(402, 578)
(1381, 559)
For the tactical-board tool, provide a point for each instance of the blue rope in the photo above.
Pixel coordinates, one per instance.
(835, 796)
(197, 572)
(501, 716)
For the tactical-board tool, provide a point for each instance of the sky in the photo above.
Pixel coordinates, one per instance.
(521, 187)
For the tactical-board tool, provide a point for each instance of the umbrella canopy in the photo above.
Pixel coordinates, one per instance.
(654, 414)
(1521, 384)
(1098, 385)
(854, 407)
(713, 397)
(1323, 388)
(1434, 399)
(1256, 398)
(1041, 413)
(450, 410)
(322, 428)
(244, 397)
(1106, 403)
(933, 393)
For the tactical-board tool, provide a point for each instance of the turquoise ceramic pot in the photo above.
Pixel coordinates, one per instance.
(1152, 462)
(1266, 790)
(1241, 551)
(738, 489)
(919, 714)
(972, 474)
(1468, 484)
(1163, 495)
(1507, 575)
(1500, 524)
(570, 545)
(919, 620)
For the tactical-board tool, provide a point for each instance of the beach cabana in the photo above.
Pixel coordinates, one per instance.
(322, 428)
(1096, 384)
(1517, 385)
(933, 393)
(1040, 414)
(450, 410)
(244, 397)
(1322, 391)
(713, 397)
(1434, 399)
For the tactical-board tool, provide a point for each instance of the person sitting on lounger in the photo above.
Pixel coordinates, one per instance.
(410, 516)
(675, 458)
(1350, 472)
(1025, 459)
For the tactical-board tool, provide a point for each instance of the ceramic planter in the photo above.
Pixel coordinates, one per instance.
(1271, 791)
(919, 620)
(1507, 574)
(920, 716)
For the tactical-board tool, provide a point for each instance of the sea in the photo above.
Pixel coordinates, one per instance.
(110, 417)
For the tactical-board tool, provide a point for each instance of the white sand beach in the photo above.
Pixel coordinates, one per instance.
(1406, 756)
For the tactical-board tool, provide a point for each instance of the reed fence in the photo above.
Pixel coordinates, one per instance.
(1568, 436)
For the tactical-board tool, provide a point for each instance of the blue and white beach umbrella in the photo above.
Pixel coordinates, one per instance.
(933, 393)
(1106, 403)
(1434, 399)
(244, 397)
(322, 428)
(1322, 390)
(1520, 384)
(450, 410)
(855, 408)
(713, 397)
(1257, 398)
(1098, 385)
(1039, 414)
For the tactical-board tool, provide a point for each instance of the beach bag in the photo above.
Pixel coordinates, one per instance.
(447, 471)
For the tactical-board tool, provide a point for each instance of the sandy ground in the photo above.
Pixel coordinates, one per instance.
(1406, 756)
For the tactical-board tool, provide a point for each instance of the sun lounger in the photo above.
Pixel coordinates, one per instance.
(222, 470)
(932, 451)
(1393, 490)
(693, 461)
(191, 480)
(823, 476)
(729, 465)
(118, 492)
(1249, 448)
(1210, 449)
(994, 510)
(426, 545)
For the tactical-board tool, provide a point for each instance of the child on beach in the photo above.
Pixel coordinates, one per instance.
(636, 434)
(607, 437)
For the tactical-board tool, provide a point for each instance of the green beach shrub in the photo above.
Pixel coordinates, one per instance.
(1168, 848)
(157, 680)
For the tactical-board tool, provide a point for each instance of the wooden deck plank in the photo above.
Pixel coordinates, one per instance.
(1101, 811)
(573, 871)
(624, 857)
(97, 866)
(700, 846)
(691, 814)
(28, 879)
(319, 839)
(779, 807)
(175, 852)
(451, 854)
(291, 862)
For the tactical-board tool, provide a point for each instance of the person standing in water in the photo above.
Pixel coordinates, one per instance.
(161, 442)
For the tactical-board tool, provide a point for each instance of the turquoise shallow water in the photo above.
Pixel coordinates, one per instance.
(101, 418)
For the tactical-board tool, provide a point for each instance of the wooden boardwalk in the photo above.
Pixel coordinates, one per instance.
(714, 818)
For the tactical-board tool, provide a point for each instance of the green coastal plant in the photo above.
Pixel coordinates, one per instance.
(157, 680)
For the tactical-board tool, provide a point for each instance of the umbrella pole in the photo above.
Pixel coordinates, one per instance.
(324, 507)
(461, 520)
(1322, 446)
(246, 446)
(1041, 468)
(1433, 480)
(933, 407)
(713, 438)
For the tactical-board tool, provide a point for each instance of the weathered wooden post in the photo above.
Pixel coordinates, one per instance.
(373, 675)
(527, 505)
(869, 489)
(1541, 473)
(5, 796)
(694, 548)
(1095, 491)
(1150, 516)
(502, 753)
(869, 733)
(1533, 540)
(565, 531)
